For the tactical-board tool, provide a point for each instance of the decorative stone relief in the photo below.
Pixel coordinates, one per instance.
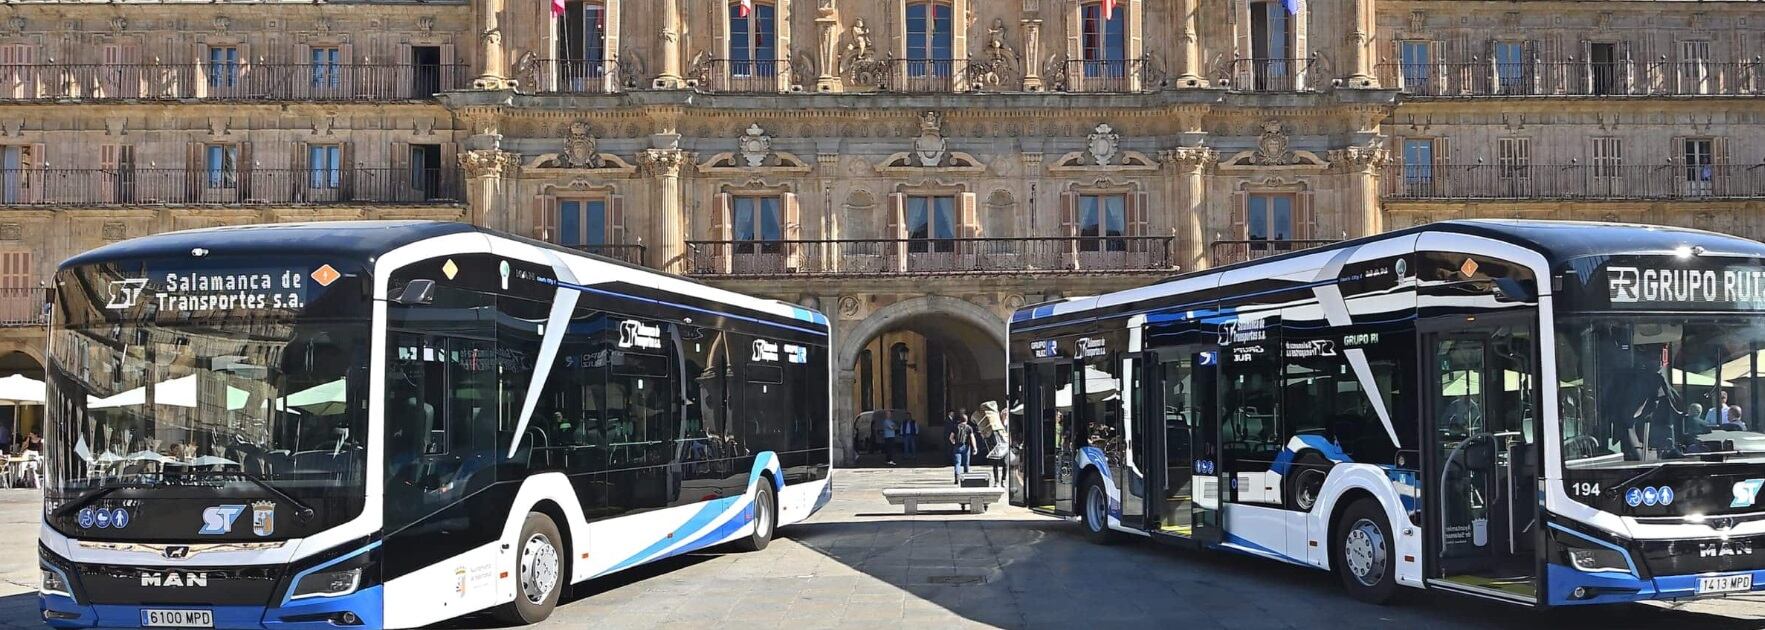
(119, 24)
(16, 24)
(850, 308)
(1102, 144)
(1357, 159)
(426, 23)
(755, 146)
(661, 162)
(223, 23)
(997, 62)
(11, 232)
(1272, 149)
(859, 63)
(931, 145)
(580, 148)
(115, 231)
(487, 162)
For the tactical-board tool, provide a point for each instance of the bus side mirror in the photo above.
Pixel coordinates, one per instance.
(416, 292)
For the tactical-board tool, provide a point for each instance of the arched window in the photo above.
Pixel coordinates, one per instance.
(1103, 39)
(753, 43)
(930, 39)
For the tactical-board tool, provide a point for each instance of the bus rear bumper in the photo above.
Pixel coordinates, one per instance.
(364, 606)
(1570, 587)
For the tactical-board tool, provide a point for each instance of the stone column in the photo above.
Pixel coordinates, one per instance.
(845, 382)
(1189, 205)
(1358, 45)
(670, 219)
(670, 78)
(484, 170)
(1032, 53)
(827, 27)
(492, 58)
(1362, 166)
(1189, 45)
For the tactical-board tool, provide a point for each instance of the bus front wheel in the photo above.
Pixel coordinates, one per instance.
(1094, 510)
(1365, 553)
(539, 571)
(765, 518)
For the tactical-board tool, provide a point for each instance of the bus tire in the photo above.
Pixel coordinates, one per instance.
(765, 518)
(539, 571)
(1094, 510)
(1308, 472)
(1365, 553)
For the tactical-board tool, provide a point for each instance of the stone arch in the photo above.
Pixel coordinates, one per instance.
(894, 315)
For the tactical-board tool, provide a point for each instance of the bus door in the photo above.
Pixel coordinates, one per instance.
(1481, 480)
(1050, 443)
(1180, 421)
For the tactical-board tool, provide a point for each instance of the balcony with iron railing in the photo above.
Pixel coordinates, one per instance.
(733, 76)
(230, 81)
(963, 256)
(1662, 77)
(1229, 252)
(570, 76)
(179, 186)
(1676, 181)
(622, 252)
(1117, 76)
(1271, 75)
(922, 76)
(24, 307)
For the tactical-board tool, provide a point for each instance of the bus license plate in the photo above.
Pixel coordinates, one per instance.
(177, 618)
(1725, 583)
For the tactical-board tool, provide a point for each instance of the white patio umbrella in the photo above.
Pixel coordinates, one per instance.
(19, 389)
(320, 400)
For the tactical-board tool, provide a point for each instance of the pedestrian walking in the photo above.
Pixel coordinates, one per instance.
(889, 430)
(962, 443)
(910, 437)
(993, 428)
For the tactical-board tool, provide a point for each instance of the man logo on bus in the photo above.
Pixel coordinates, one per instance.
(1746, 492)
(124, 293)
(1624, 283)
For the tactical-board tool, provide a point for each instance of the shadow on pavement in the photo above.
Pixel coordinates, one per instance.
(1016, 573)
(593, 587)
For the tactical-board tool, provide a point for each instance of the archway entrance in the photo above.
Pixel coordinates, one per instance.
(19, 420)
(921, 358)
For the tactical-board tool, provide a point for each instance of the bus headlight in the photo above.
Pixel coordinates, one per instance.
(1598, 560)
(328, 583)
(54, 583)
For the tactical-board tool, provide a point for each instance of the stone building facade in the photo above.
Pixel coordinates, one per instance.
(914, 168)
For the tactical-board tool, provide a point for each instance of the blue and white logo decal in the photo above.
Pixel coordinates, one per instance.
(1210, 358)
(1666, 495)
(1633, 497)
(1651, 496)
(87, 518)
(119, 518)
(219, 519)
(1746, 492)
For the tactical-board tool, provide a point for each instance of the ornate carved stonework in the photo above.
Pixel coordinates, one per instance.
(1102, 144)
(580, 148)
(119, 24)
(487, 162)
(931, 146)
(1191, 158)
(661, 161)
(115, 230)
(11, 232)
(996, 63)
(859, 63)
(222, 23)
(1272, 149)
(849, 308)
(426, 23)
(755, 146)
(1360, 159)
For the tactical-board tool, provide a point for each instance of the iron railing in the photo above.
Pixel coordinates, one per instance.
(742, 77)
(633, 254)
(240, 81)
(1577, 78)
(180, 186)
(1271, 75)
(882, 257)
(1228, 252)
(1108, 76)
(24, 307)
(570, 76)
(923, 76)
(1575, 181)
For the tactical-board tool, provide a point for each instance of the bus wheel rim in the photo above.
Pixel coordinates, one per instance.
(1363, 550)
(763, 515)
(1094, 508)
(539, 568)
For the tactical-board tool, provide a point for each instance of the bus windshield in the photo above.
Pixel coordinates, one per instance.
(1638, 390)
(197, 391)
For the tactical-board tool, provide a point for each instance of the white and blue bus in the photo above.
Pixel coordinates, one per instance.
(1534, 412)
(391, 424)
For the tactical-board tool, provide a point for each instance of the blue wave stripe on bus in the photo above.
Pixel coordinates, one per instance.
(706, 514)
(1241, 544)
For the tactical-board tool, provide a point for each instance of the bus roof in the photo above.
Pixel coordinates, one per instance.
(1560, 242)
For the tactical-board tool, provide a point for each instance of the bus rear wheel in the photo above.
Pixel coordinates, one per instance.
(1365, 553)
(1094, 510)
(539, 571)
(765, 518)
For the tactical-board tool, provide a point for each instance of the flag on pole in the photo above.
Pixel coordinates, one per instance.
(1292, 6)
(1108, 10)
(557, 8)
(746, 7)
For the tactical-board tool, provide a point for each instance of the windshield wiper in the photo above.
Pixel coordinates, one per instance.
(301, 510)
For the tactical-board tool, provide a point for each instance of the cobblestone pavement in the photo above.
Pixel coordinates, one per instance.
(860, 563)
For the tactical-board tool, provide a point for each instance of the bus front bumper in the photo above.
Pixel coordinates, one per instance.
(362, 607)
(1572, 587)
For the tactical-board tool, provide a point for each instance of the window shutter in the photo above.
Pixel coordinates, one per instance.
(351, 72)
(243, 169)
(402, 182)
(1240, 217)
(1442, 151)
(37, 167)
(1719, 162)
(722, 233)
(1139, 213)
(793, 230)
(406, 76)
(897, 233)
(451, 72)
(194, 169)
(968, 215)
(299, 170)
(544, 219)
(1305, 221)
(446, 175)
(346, 171)
(1069, 214)
(616, 219)
(303, 82)
(109, 162)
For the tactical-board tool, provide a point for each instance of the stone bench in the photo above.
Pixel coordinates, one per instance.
(974, 500)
